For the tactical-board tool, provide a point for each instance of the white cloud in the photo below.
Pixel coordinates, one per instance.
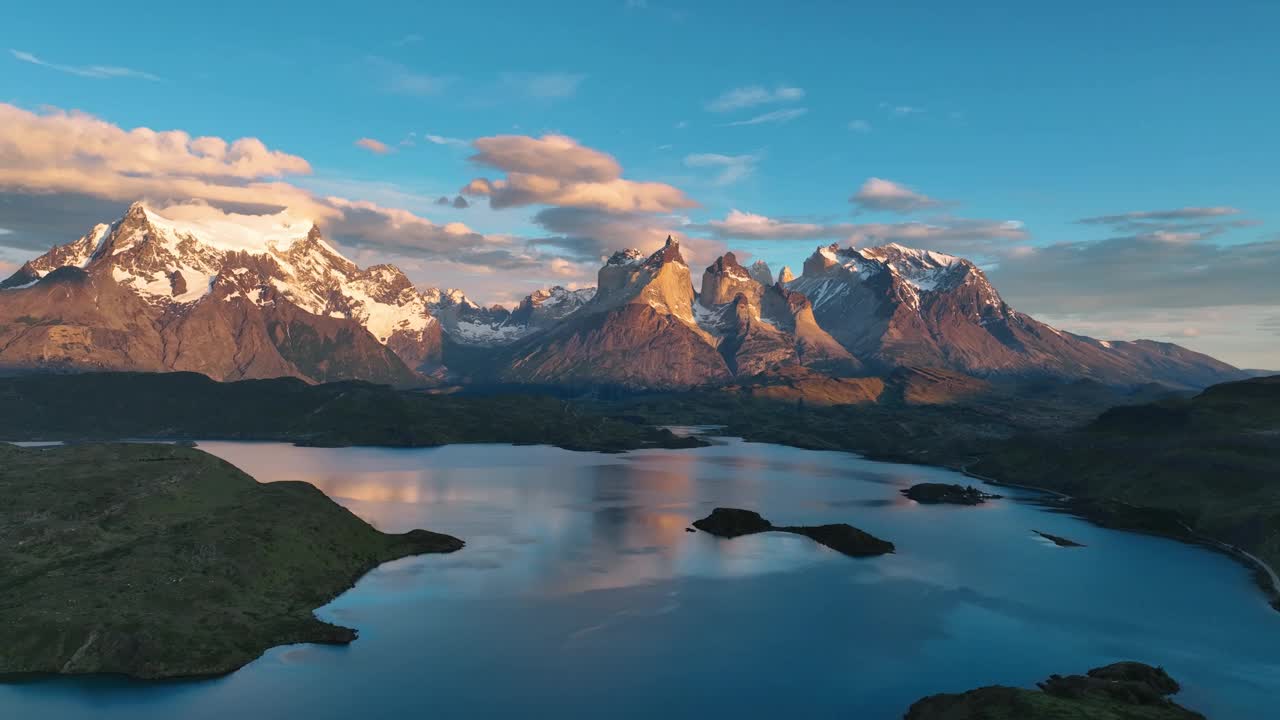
(732, 167)
(750, 226)
(444, 140)
(777, 117)
(99, 72)
(542, 85)
(753, 95)
(900, 110)
(861, 126)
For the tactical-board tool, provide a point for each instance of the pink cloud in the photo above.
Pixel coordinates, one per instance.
(886, 195)
(557, 170)
(374, 146)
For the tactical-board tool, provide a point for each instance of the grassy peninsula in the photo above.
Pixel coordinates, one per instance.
(157, 561)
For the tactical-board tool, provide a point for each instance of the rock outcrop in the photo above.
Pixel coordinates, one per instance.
(843, 538)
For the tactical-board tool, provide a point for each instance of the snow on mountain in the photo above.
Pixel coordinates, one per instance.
(173, 262)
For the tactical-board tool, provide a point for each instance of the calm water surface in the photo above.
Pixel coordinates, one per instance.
(580, 594)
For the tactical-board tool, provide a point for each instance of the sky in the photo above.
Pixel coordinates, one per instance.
(1113, 166)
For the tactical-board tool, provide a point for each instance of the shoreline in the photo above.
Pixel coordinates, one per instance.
(1264, 576)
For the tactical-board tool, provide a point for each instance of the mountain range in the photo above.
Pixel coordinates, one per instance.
(268, 298)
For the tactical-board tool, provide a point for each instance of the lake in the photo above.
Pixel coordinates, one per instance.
(581, 594)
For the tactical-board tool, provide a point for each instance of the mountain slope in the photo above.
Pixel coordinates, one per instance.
(231, 300)
(894, 306)
(637, 331)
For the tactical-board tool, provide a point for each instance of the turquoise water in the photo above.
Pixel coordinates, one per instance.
(580, 594)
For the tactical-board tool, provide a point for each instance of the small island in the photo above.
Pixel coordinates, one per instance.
(1121, 690)
(943, 493)
(159, 561)
(1058, 540)
(841, 537)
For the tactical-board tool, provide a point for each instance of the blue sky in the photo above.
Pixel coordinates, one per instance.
(994, 112)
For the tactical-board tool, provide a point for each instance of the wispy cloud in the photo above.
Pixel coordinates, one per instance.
(753, 95)
(445, 140)
(860, 126)
(374, 146)
(400, 79)
(543, 85)
(900, 110)
(777, 117)
(732, 167)
(1176, 225)
(99, 72)
(1184, 213)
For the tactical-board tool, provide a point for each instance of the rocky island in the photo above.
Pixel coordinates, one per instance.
(841, 537)
(1058, 540)
(951, 494)
(1121, 691)
(159, 561)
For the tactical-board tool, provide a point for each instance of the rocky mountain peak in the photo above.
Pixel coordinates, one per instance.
(785, 275)
(761, 273)
(725, 279)
(670, 253)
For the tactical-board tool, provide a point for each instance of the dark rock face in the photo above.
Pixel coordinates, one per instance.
(893, 306)
(843, 538)
(1123, 690)
(934, 493)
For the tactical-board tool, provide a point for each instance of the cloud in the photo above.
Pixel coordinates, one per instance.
(73, 152)
(1175, 226)
(969, 237)
(1185, 213)
(753, 95)
(861, 126)
(877, 194)
(99, 72)
(557, 170)
(542, 86)
(777, 117)
(399, 79)
(443, 140)
(458, 202)
(61, 173)
(587, 236)
(962, 236)
(374, 146)
(740, 225)
(554, 156)
(366, 225)
(732, 167)
(900, 110)
(1141, 272)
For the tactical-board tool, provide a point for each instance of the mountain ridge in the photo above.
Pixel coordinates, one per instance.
(261, 296)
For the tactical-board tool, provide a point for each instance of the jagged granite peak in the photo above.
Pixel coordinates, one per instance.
(177, 267)
(894, 306)
(660, 280)
(761, 273)
(724, 279)
(785, 275)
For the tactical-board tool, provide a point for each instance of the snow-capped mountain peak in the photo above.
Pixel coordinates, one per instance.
(176, 257)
